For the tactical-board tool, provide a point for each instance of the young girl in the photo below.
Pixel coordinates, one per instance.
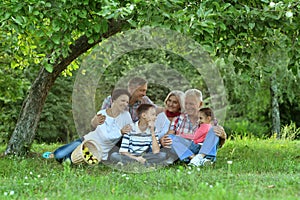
(206, 117)
(141, 143)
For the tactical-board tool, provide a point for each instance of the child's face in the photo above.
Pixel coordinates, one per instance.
(150, 115)
(204, 119)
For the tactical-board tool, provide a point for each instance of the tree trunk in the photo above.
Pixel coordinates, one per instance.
(275, 106)
(24, 132)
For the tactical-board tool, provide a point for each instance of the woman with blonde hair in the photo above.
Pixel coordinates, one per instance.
(174, 103)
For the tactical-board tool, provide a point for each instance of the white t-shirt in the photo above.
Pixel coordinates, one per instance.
(109, 133)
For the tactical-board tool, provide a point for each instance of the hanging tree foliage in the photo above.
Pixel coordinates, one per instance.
(50, 35)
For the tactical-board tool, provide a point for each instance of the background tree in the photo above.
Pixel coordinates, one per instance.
(49, 36)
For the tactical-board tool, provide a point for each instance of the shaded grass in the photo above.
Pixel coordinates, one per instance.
(260, 169)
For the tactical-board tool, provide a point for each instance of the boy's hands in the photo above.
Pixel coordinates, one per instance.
(151, 125)
(141, 159)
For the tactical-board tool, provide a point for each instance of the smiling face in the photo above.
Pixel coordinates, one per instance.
(172, 104)
(192, 105)
(203, 118)
(121, 102)
(139, 92)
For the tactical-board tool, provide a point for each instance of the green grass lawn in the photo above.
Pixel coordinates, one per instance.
(260, 169)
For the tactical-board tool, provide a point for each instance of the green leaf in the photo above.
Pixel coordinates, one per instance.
(230, 42)
(91, 41)
(56, 38)
(97, 28)
(49, 68)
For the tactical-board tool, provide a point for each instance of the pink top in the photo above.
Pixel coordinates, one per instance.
(201, 133)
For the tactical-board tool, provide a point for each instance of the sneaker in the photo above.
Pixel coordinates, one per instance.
(198, 160)
(206, 162)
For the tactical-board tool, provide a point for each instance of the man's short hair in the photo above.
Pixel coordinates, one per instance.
(136, 82)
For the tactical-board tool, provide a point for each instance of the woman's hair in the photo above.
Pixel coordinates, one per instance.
(179, 95)
(207, 112)
(136, 82)
(144, 108)
(118, 92)
(194, 92)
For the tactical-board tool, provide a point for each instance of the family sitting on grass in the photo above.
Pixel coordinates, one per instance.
(130, 128)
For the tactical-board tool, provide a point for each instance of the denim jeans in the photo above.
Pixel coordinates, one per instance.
(64, 152)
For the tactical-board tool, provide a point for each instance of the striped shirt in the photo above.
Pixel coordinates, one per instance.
(137, 142)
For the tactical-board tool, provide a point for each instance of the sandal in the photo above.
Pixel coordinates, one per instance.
(47, 155)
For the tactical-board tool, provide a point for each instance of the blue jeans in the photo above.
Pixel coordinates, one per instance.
(64, 152)
(210, 145)
(185, 148)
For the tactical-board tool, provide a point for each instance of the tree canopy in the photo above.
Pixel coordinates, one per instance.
(255, 44)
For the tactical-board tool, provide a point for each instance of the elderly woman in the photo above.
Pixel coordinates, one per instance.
(173, 107)
(107, 134)
(182, 132)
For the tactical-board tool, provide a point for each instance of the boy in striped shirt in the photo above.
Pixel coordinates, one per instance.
(141, 143)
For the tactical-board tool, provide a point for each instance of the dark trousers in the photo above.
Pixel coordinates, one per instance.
(151, 158)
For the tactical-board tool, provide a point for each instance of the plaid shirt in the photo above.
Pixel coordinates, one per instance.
(131, 108)
(183, 126)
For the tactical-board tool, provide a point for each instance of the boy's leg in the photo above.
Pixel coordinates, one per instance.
(116, 157)
(157, 158)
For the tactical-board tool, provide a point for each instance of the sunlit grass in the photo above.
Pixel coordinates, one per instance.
(245, 169)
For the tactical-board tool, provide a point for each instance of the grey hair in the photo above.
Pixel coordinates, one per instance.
(180, 96)
(136, 82)
(194, 92)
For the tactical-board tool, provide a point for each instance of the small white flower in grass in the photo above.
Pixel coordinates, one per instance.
(127, 178)
(12, 192)
(229, 162)
(26, 177)
(198, 169)
(189, 168)
(30, 173)
(5, 193)
(124, 175)
(189, 172)
(289, 14)
(39, 176)
(178, 170)
(272, 4)
(26, 183)
(210, 186)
